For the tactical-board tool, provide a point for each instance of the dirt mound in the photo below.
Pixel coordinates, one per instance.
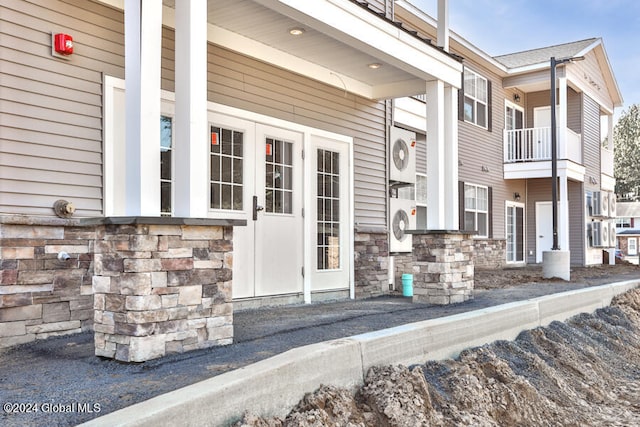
(510, 277)
(584, 372)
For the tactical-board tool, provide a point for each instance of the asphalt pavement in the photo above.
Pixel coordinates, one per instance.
(59, 381)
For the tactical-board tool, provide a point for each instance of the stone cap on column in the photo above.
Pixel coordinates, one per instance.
(162, 220)
(424, 231)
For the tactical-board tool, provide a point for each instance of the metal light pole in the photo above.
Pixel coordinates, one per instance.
(554, 156)
(554, 147)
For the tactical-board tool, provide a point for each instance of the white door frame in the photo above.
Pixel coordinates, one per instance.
(510, 204)
(539, 227)
(113, 162)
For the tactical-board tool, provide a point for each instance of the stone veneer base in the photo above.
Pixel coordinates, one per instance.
(443, 267)
(161, 286)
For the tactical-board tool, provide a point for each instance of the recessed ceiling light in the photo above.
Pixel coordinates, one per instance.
(296, 31)
(375, 65)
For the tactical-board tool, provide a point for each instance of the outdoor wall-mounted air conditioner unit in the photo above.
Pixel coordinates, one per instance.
(596, 234)
(402, 156)
(612, 205)
(402, 217)
(600, 203)
(612, 234)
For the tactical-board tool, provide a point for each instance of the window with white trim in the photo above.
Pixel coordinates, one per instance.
(476, 209)
(476, 99)
(623, 222)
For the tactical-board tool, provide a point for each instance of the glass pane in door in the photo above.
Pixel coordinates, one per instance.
(278, 176)
(328, 214)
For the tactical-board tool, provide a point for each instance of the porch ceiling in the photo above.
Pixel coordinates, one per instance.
(340, 40)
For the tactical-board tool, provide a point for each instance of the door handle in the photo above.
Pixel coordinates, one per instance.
(256, 208)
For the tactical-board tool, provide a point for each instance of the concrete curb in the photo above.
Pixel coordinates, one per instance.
(273, 386)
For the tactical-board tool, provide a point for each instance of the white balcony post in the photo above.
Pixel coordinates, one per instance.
(436, 165)
(563, 226)
(451, 158)
(562, 118)
(191, 142)
(143, 41)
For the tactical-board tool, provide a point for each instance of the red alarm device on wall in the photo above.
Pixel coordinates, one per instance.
(63, 44)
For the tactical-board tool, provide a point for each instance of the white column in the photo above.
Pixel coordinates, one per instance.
(435, 156)
(443, 24)
(143, 41)
(563, 214)
(610, 132)
(191, 141)
(563, 152)
(451, 158)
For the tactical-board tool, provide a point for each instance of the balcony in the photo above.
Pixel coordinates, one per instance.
(527, 153)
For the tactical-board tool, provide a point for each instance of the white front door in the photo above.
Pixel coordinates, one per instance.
(544, 229)
(256, 175)
(278, 218)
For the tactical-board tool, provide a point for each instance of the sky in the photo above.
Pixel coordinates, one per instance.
(506, 26)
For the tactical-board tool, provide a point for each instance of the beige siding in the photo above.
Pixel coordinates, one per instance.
(51, 109)
(421, 153)
(591, 142)
(588, 74)
(379, 6)
(480, 148)
(577, 227)
(539, 190)
(542, 99)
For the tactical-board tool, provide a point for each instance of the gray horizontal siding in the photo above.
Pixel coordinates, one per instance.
(50, 108)
(242, 82)
(591, 142)
(539, 190)
(480, 147)
(577, 227)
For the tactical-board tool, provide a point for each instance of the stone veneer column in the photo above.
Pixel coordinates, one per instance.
(162, 285)
(371, 262)
(442, 267)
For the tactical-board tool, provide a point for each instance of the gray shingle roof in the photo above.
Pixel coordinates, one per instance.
(538, 56)
(627, 231)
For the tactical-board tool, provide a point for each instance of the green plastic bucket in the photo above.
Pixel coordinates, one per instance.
(407, 285)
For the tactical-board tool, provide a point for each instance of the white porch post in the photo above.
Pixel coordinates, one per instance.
(563, 214)
(143, 41)
(451, 158)
(563, 152)
(436, 165)
(191, 142)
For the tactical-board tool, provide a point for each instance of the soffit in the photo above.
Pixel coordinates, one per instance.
(328, 51)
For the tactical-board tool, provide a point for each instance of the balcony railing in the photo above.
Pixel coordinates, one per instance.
(534, 144)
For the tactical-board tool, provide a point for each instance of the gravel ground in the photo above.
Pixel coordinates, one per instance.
(62, 379)
(583, 372)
